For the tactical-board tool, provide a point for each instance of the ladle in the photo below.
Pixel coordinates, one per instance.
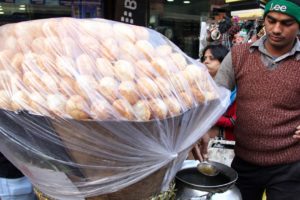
(207, 169)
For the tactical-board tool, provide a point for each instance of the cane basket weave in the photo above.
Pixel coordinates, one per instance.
(142, 190)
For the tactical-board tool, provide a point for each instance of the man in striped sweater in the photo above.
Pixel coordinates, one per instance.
(267, 130)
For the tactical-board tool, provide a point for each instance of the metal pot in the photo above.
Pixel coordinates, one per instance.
(192, 185)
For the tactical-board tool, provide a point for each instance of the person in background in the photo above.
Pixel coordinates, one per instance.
(267, 130)
(212, 57)
(13, 184)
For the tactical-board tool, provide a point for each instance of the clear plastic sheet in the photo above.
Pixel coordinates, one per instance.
(91, 107)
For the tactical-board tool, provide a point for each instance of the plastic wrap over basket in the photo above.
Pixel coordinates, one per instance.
(95, 109)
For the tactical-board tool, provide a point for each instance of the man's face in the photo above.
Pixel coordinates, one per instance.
(281, 29)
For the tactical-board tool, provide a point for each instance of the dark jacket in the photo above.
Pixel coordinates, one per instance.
(7, 169)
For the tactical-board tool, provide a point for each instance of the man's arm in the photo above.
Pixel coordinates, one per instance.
(225, 75)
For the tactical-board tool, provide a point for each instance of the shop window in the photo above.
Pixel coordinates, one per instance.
(180, 22)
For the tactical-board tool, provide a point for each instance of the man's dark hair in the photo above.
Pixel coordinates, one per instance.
(218, 51)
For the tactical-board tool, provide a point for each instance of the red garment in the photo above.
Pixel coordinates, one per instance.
(227, 121)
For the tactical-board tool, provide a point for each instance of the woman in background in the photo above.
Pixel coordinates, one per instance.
(212, 58)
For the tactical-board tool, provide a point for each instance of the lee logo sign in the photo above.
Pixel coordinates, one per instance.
(278, 7)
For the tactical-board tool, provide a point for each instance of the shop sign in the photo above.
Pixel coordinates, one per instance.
(65, 2)
(231, 1)
(80, 2)
(37, 2)
(7, 1)
(132, 12)
(22, 1)
(235, 1)
(246, 5)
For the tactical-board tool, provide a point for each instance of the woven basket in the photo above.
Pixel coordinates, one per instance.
(142, 190)
(69, 134)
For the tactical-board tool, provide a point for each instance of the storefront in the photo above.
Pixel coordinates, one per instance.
(178, 20)
(22, 10)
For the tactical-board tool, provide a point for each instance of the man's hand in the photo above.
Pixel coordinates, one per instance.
(297, 133)
(200, 149)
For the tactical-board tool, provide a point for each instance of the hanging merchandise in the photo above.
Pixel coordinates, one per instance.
(246, 17)
(213, 33)
(202, 37)
(224, 26)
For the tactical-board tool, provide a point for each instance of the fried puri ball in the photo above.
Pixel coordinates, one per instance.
(163, 86)
(163, 50)
(198, 94)
(65, 66)
(110, 48)
(32, 81)
(179, 60)
(128, 90)
(16, 63)
(124, 109)
(147, 88)
(85, 64)
(38, 103)
(20, 100)
(158, 108)
(5, 102)
(104, 67)
(146, 48)
(86, 86)
(142, 110)
(173, 105)
(194, 74)
(100, 109)
(67, 86)
(141, 33)
(124, 70)
(77, 108)
(186, 99)
(108, 87)
(128, 51)
(179, 82)
(161, 66)
(50, 83)
(144, 68)
(56, 104)
(123, 32)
